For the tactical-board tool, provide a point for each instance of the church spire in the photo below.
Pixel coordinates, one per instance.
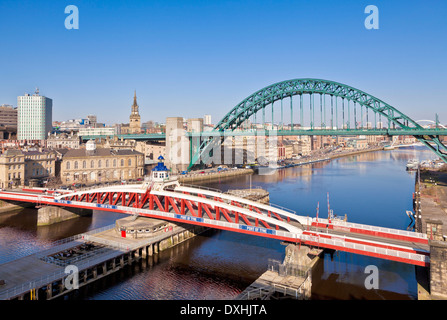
(135, 105)
(134, 123)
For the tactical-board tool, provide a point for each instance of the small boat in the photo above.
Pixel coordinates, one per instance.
(389, 147)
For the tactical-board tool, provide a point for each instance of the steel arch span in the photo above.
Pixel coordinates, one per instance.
(336, 91)
(278, 91)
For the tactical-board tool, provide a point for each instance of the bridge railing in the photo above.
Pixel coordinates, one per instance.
(201, 187)
(49, 278)
(106, 185)
(341, 223)
(340, 242)
(288, 269)
(220, 192)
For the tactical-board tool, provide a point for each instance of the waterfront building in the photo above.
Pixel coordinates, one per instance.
(63, 140)
(98, 165)
(155, 150)
(39, 166)
(302, 147)
(356, 143)
(12, 168)
(97, 132)
(34, 119)
(26, 167)
(285, 149)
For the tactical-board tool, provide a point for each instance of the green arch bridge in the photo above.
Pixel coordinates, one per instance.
(322, 107)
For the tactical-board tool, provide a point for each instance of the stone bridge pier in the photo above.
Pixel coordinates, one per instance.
(53, 214)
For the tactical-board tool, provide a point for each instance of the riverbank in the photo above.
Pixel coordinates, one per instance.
(211, 175)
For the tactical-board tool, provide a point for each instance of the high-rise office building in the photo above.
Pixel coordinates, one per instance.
(34, 119)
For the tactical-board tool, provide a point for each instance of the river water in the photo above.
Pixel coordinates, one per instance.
(372, 188)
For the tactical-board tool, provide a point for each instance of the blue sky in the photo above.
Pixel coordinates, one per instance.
(190, 58)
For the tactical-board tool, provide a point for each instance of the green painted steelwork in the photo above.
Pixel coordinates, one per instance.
(322, 132)
(289, 88)
(398, 122)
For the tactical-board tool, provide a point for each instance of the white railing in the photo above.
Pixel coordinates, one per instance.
(341, 223)
(340, 242)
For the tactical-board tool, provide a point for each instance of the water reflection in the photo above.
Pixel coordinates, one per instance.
(371, 188)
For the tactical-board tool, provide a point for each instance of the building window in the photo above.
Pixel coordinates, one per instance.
(122, 162)
(92, 164)
(107, 163)
(68, 165)
(114, 162)
(84, 164)
(99, 163)
(129, 162)
(76, 165)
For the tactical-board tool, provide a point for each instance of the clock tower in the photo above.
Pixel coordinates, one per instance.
(135, 121)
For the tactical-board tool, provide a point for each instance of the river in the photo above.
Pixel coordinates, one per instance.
(371, 188)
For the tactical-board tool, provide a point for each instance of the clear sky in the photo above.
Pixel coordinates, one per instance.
(190, 58)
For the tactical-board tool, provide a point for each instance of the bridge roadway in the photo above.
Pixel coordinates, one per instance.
(284, 132)
(213, 208)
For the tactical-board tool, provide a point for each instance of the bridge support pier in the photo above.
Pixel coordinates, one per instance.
(438, 270)
(432, 281)
(52, 214)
